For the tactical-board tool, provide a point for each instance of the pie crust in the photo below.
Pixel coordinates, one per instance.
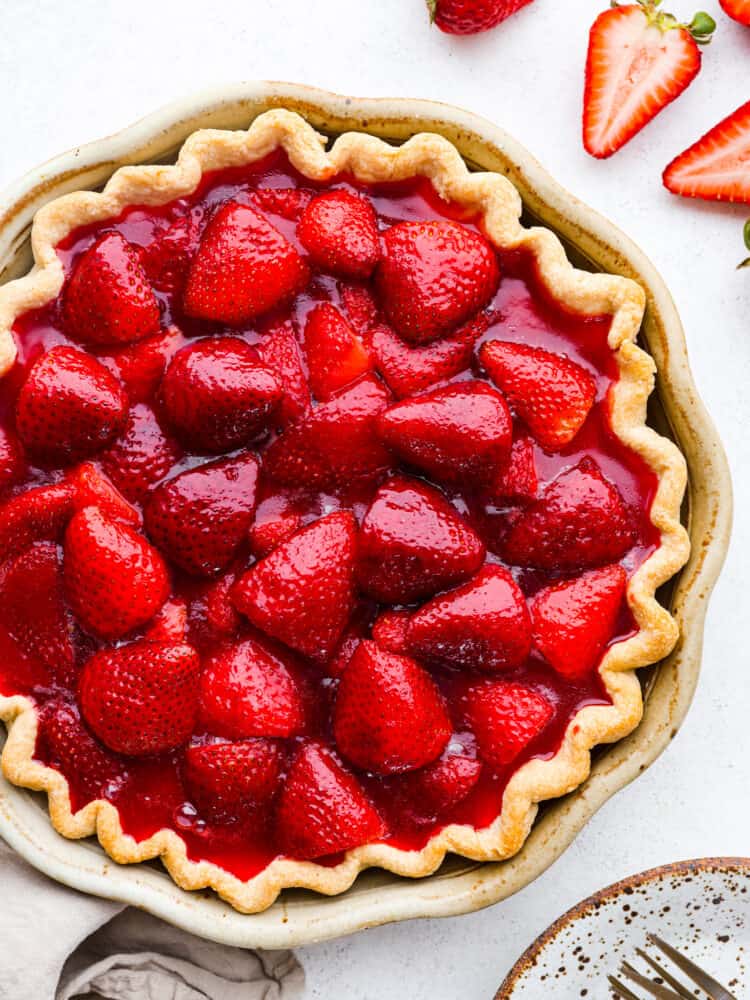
(497, 202)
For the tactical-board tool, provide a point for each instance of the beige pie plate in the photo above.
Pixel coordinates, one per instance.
(459, 886)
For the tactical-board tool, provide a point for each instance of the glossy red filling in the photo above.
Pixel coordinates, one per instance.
(150, 792)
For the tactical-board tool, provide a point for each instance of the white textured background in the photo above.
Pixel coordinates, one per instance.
(72, 72)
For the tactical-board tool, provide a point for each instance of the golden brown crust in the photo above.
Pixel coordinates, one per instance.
(497, 201)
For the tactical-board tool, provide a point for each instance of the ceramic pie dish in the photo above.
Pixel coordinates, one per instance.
(372, 163)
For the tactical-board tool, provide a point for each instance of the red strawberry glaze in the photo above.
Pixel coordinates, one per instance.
(150, 792)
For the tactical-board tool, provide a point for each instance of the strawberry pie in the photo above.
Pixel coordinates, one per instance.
(330, 523)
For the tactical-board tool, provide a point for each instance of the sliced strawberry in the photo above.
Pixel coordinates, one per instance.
(200, 518)
(141, 698)
(170, 622)
(574, 620)
(268, 534)
(505, 718)
(579, 522)
(93, 489)
(33, 610)
(455, 434)
(551, 394)
(243, 268)
(114, 580)
(303, 592)
(167, 260)
(69, 407)
(72, 749)
(715, 167)
(440, 786)
(482, 625)
(288, 203)
(434, 276)
(339, 230)
(739, 10)
(390, 631)
(468, 17)
(108, 299)
(639, 60)
(39, 514)
(322, 807)
(359, 306)
(140, 366)
(409, 370)
(413, 543)
(389, 715)
(12, 461)
(335, 444)
(247, 689)
(142, 455)
(231, 781)
(280, 351)
(217, 395)
(335, 354)
(518, 481)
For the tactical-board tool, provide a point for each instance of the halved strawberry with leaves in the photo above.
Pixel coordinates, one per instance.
(715, 167)
(243, 268)
(455, 434)
(303, 592)
(434, 276)
(248, 689)
(335, 444)
(579, 522)
(440, 786)
(339, 230)
(200, 517)
(39, 514)
(409, 370)
(322, 808)
(640, 59)
(95, 771)
(142, 455)
(505, 718)
(412, 543)
(108, 299)
(389, 715)
(114, 580)
(551, 393)
(483, 624)
(739, 10)
(468, 17)
(574, 620)
(231, 781)
(280, 351)
(141, 698)
(335, 354)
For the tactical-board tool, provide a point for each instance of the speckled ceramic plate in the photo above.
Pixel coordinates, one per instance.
(701, 907)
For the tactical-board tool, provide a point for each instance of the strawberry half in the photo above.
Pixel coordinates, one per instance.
(167, 259)
(39, 514)
(574, 620)
(217, 395)
(247, 689)
(303, 592)
(434, 276)
(482, 625)
(468, 17)
(505, 719)
(389, 715)
(715, 167)
(739, 10)
(335, 444)
(230, 781)
(108, 299)
(640, 59)
(72, 748)
(93, 489)
(33, 610)
(243, 268)
(339, 230)
(579, 522)
(551, 394)
(322, 807)
(141, 698)
(280, 351)
(455, 434)
(409, 370)
(440, 786)
(266, 535)
(412, 543)
(114, 580)
(69, 407)
(359, 306)
(200, 517)
(142, 455)
(335, 354)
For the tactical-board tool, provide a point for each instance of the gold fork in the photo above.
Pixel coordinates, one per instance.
(668, 988)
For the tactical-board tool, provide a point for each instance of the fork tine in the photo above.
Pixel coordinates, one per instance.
(662, 972)
(620, 990)
(715, 990)
(653, 989)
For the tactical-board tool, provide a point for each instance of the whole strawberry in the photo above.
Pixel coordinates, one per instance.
(230, 781)
(335, 354)
(467, 17)
(92, 771)
(37, 515)
(141, 698)
(339, 230)
(505, 718)
(142, 455)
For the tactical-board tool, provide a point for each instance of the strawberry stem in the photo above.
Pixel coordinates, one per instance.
(432, 8)
(746, 234)
(700, 29)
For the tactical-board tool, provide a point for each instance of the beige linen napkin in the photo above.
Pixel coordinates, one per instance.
(56, 944)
